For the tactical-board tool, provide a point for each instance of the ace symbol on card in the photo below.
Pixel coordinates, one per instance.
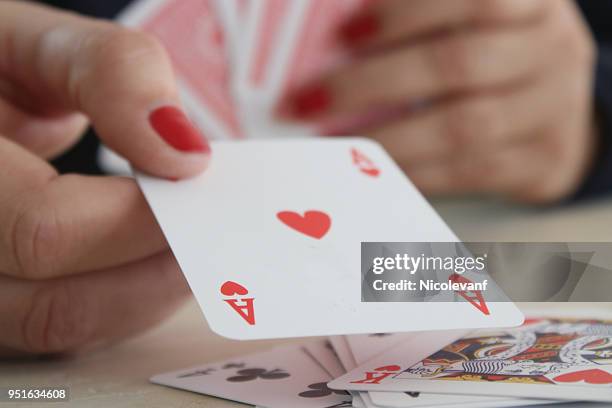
(242, 305)
(474, 297)
(364, 164)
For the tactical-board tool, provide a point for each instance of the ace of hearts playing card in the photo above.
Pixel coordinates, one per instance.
(283, 221)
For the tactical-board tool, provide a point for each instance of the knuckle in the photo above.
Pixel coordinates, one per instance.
(57, 319)
(36, 241)
(452, 61)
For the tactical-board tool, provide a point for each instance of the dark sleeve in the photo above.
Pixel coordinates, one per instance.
(82, 158)
(599, 181)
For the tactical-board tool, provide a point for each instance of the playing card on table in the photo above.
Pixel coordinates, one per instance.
(278, 378)
(546, 358)
(269, 238)
(365, 347)
(192, 33)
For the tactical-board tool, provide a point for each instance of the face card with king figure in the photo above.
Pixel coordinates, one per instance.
(559, 359)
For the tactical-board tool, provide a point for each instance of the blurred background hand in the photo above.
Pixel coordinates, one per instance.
(494, 96)
(82, 260)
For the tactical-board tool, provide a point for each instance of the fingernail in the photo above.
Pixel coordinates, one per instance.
(308, 102)
(360, 28)
(177, 130)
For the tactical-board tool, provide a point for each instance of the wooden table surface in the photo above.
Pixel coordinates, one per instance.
(118, 376)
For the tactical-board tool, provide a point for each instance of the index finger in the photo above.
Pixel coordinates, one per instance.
(121, 79)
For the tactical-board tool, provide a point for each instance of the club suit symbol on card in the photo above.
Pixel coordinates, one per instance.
(313, 223)
(321, 389)
(593, 376)
(244, 306)
(475, 297)
(364, 164)
(250, 374)
(379, 374)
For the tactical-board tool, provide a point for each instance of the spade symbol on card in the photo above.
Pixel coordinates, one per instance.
(242, 305)
(313, 223)
(364, 164)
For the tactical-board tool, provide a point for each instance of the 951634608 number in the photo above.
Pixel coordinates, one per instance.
(32, 394)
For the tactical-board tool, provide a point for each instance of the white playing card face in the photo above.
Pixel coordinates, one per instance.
(546, 358)
(193, 34)
(323, 352)
(269, 238)
(281, 377)
(366, 346)
(343, 352)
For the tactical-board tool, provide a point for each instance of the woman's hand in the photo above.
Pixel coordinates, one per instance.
(82, 260)
(504, 89)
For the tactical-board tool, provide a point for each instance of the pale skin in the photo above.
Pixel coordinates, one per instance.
(83, 262)
(508, 86)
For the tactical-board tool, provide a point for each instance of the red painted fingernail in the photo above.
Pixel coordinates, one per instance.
(360, 28)
(175, 128)
(309, 102)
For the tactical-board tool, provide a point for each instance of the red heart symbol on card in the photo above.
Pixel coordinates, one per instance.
(230, 288)
(594, 376)
(388, 368)
(313, 223)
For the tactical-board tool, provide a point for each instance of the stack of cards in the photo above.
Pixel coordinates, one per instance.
(269, 238)
(545, 361)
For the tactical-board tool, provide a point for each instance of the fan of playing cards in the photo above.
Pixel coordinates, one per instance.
(235, 59)
(542, 362)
